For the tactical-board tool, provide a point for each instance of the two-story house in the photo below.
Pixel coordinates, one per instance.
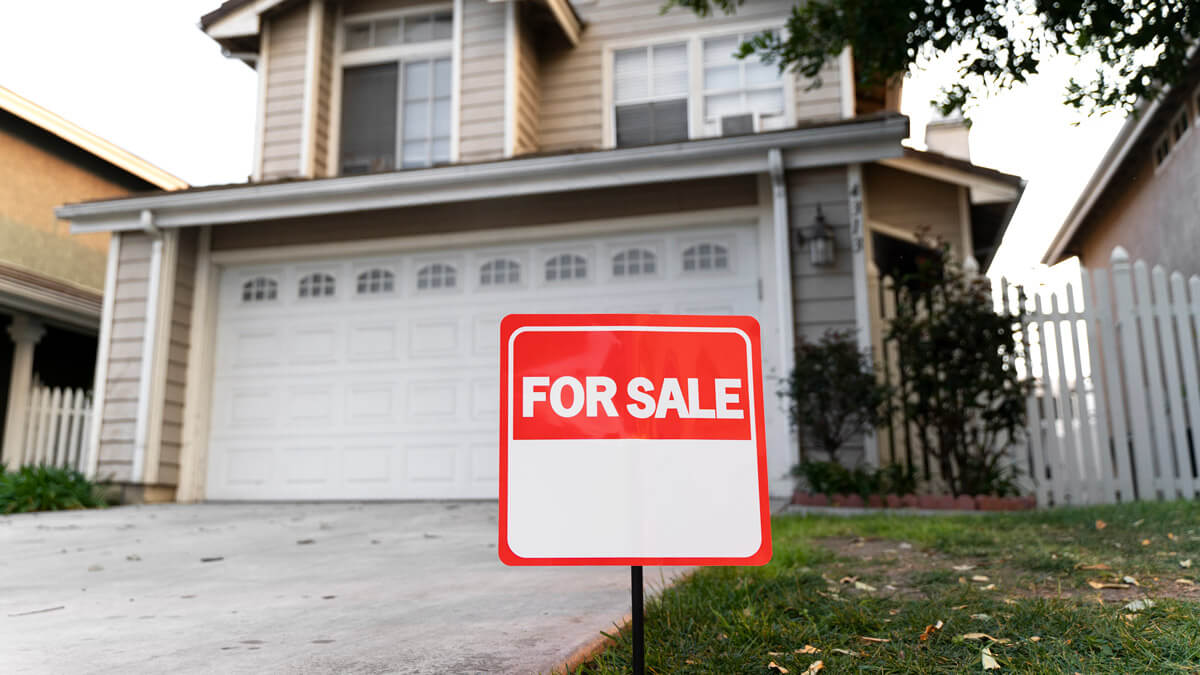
(329, 330)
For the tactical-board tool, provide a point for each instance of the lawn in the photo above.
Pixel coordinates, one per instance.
(1090, 590)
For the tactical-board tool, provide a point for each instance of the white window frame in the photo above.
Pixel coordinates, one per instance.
(323, 296)
(398, 54)
(695, 95)
(726, 242)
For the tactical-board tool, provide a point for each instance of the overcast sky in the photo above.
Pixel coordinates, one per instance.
(142, 75)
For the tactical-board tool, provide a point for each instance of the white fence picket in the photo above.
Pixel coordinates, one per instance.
(56, 422)
(1154, 384)
(1180, 466)
(1112, 444)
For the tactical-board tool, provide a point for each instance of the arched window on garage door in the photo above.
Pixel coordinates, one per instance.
(566, 267)
(317, 285)
(634, 262)
(500, 272)
(376, 280)
(704, 257)
(437, 275)
(260, 289)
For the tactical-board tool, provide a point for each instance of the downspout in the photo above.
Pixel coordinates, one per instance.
(149, 338)
(783, 260)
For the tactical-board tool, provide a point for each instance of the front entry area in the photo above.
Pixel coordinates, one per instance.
(376, 377)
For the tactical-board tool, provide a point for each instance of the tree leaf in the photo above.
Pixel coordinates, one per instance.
(808, 649)
(814, 668)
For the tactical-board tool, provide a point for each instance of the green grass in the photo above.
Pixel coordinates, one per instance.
(738, 620)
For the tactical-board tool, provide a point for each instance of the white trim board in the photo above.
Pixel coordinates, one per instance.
(840, 143)
(383, 246)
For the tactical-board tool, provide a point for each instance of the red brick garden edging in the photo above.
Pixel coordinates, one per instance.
(938, 502)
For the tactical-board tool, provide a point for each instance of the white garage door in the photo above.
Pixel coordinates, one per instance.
(377, 377)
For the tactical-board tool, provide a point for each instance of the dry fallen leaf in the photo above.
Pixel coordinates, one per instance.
(1185, 563)
(847, 652)
(989, 661)
(1097, 566)
(1035, 639)
(1171, 536)
(982, 617)
(1185, 582)
(1139, 605)
(848, 580)
(691, 662)
(1130, 580)
(814, 668)
(963, 568)
(989, 587)
(1100, 524)
(808, 649)
(979, 577)
(959, 607)
(874, 639)
(930, 630)
(985, 636)
(1145, 542)
(858, 585)
(1105, 584)
(777, 668)
(1139, 522)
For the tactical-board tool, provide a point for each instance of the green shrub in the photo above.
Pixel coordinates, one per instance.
(43, 488)
(832, 478)
(832, 394)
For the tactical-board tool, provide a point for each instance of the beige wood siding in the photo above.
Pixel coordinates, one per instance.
(528, 89)
(913, 203)
(322, 128)
(283, 117)
(823, 296)
(119, 418)
(177, 355)
(572, 105)
(481, 118)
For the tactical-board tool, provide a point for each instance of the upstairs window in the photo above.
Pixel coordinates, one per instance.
(396, 84)
(650, 94)
(389, 32)
(317, 285)
(740, 95)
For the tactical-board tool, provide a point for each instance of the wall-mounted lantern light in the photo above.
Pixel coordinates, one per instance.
(821, 241)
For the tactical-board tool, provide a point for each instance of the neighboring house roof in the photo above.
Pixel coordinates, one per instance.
(87, 141)
(860, 139)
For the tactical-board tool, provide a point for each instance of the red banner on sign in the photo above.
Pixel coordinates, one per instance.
(596, 383)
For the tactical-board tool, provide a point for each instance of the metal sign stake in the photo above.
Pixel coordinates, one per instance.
(639, 636)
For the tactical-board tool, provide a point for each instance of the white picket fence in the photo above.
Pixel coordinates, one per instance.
(56, 426)
(1117, 395)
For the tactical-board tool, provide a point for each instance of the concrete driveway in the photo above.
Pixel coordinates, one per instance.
(296, 588)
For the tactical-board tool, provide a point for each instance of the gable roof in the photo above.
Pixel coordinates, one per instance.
(87, 141)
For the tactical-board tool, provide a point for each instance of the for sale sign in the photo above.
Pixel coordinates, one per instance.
(632, 440)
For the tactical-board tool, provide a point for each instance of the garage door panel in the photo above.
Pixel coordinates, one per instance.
(377, 392)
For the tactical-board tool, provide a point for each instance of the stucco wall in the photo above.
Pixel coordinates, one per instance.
(1153, 212)
(35, 178)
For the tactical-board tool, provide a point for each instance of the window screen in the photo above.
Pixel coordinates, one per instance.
(650, 87)
(426, 137)
(368, 139)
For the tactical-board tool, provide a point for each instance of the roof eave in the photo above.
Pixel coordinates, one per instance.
(840, 143)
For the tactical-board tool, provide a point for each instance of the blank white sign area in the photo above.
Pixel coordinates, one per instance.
(633, 498)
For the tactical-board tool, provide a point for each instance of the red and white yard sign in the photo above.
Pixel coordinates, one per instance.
(632, 440)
